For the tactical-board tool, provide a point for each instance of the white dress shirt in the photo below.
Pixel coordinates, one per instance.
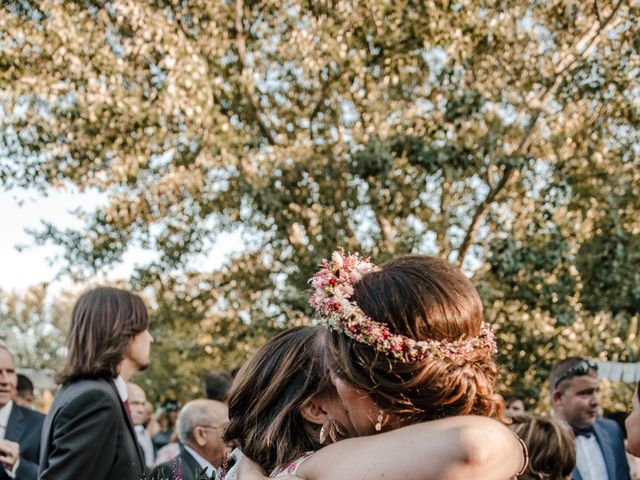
(147, 445)
(121, 386)
(5, 412)
(589, 458)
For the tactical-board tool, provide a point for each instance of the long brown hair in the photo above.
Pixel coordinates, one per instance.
(268, 393)
(552, 450)
(102, 323)
(422, 298)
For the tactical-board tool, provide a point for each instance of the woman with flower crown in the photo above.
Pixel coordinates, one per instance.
(405, 343)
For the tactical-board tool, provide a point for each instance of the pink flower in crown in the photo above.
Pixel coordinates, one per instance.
(317, 299)
(346, 289)
(396, 344)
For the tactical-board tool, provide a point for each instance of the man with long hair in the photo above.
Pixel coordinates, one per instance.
(88, 432)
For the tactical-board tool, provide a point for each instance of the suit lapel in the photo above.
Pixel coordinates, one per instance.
(192, 468)
(605, 446)
(15, 425)
(129, 423)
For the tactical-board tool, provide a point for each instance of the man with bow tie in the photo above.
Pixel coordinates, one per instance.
(600, 454)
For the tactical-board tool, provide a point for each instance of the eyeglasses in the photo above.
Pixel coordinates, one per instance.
(212, 427)
(579, 369)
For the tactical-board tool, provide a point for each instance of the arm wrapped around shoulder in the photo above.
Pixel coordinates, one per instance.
(456, 448)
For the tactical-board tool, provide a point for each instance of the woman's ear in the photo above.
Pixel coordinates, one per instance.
(313, 412)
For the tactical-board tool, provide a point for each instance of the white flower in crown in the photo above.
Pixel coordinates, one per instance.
(337, 259)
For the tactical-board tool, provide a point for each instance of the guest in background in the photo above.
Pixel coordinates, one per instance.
(552, 450)
(600, 451)
(514, 405)
(24, 392)
(217, 385)
(202, 450)
(152, 425)
(167, 422)
(88, 432)
(137, 403)
(169, 451)
(20, 427)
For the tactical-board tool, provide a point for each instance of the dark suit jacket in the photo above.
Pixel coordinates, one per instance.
(184, 463)
(611, 441)
(25, 427)
(88, 434)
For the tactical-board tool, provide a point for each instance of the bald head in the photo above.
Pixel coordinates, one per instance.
(137, 400)
(200, 424)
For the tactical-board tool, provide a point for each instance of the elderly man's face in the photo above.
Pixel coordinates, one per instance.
(208, 434)
(137, 401)
(8, 377)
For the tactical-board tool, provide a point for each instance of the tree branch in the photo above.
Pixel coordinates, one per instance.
(241, 47)
(491, 197)
(596, 7)
(443, 243)
(579, 50)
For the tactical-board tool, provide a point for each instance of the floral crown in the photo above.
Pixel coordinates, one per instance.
(332, 289)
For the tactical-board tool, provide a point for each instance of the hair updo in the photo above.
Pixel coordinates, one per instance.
(423, 298)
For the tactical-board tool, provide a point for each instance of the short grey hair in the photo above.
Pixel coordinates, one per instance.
(197, 413)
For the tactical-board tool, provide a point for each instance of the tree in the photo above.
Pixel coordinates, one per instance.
(33, 327)
(500, 136)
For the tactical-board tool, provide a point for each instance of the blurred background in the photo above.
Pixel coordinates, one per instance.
(209, 154)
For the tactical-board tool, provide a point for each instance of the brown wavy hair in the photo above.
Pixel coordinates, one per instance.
(552, 450)
(268, 393)
(102, 323)
(420, 297)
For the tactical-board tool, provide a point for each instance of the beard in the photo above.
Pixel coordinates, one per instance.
(142, 368)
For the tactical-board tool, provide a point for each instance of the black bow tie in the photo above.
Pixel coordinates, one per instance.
(585, 432)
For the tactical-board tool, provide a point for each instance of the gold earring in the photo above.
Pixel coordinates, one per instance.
(335, 431)
(339, 429)
(323, 433)
(379, 420)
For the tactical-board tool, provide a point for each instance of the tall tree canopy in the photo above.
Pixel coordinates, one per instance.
(502, 136)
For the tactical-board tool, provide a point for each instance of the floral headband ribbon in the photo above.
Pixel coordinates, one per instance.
(332, 290)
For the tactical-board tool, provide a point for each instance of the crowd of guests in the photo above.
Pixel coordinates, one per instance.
(396, 380)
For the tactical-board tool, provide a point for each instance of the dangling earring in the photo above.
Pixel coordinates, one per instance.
(379, 420)
(332, 430)
(335, 431)
(323, 432)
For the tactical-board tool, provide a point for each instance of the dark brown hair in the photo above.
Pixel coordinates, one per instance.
(552, 450)
(422, 298)
(560, 370)
(102, 323)
(267, 394)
